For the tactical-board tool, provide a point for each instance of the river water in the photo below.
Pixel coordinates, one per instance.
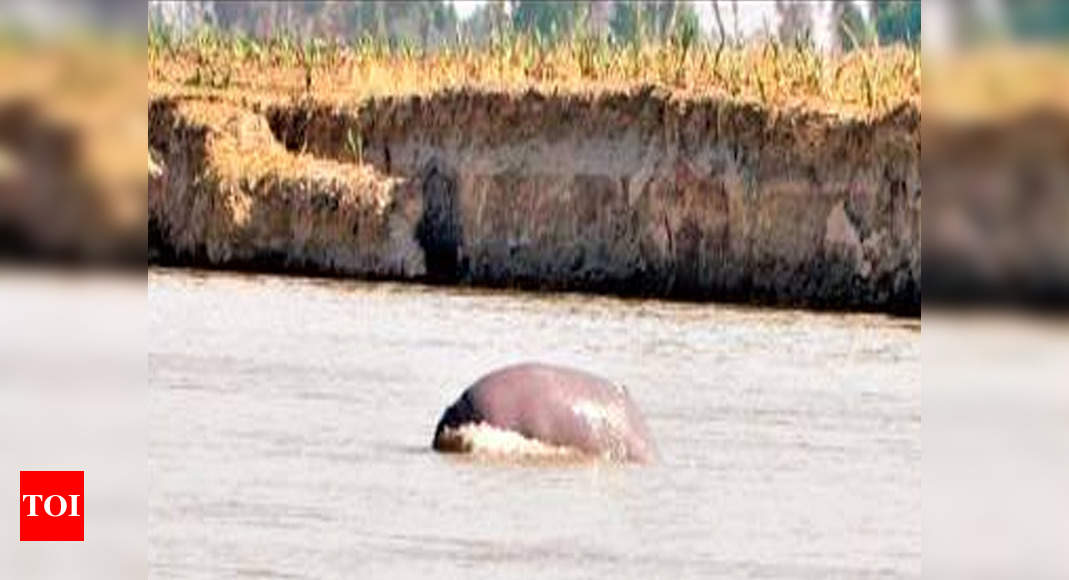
(291, 420)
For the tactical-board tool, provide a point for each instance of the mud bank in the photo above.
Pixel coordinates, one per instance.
(223, 192)
(633, 192)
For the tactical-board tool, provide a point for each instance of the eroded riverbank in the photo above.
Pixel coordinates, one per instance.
(636, 191)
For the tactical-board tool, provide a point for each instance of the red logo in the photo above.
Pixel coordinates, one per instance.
(51, 506)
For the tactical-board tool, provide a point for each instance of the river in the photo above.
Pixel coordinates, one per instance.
(291, 421)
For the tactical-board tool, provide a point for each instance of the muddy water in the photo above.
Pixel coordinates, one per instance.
(291, 423)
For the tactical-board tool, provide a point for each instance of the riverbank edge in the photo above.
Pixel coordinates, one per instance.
(632, 193)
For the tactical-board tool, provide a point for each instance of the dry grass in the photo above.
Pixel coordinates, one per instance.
(868, 81)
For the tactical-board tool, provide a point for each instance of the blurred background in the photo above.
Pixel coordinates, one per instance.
(996, 265)
(73, 135)
(996, 241)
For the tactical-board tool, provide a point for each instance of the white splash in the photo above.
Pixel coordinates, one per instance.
(484, 440)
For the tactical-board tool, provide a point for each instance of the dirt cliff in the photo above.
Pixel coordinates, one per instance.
(223, 192)
(637, 192)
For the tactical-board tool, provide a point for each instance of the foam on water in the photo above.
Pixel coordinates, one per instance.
(484, 441)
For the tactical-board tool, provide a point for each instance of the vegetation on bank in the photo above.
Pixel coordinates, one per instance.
(437, 23)
(871, 79)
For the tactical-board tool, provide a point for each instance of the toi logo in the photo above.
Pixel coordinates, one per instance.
(51, 506)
